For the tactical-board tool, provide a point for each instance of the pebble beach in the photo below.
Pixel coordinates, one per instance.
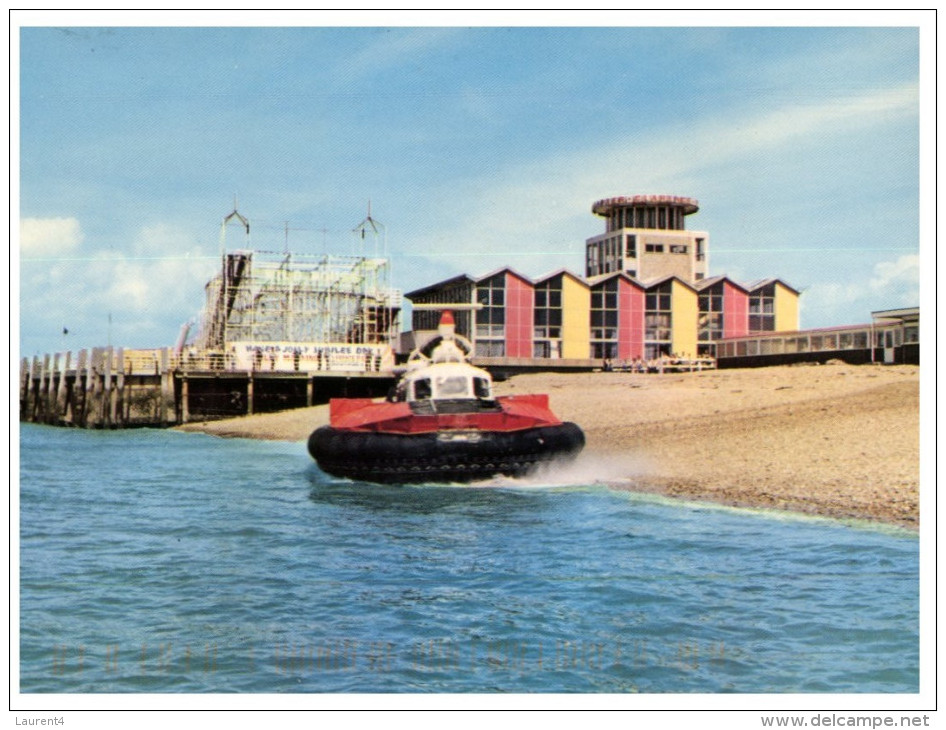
(834, 440)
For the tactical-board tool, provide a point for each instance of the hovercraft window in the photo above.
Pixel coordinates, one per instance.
(421, 389)
(481, 388)
(453, 386)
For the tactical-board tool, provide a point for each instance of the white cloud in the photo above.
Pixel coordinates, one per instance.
(147, 290)
(166, 273)
(49, 236)
(891, 284)
(904, 273)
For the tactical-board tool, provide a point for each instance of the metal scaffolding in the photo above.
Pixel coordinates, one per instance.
(263, 296)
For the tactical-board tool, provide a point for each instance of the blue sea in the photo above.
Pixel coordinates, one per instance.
(163, 562)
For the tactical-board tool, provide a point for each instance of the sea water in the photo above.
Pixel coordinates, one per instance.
(159, 561)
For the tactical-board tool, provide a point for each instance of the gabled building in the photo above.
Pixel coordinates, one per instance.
(723, 311)
(773, 306)
(670, 319)
(617, 317)
(561, 316)
(504, 315)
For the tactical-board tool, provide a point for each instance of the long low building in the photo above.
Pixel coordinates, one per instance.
(892, 336)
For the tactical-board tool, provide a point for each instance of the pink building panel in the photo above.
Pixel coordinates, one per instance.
(520, 303)
(735, 311)
(630, 320)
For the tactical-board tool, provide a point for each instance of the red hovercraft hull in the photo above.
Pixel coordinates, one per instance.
(401, 443)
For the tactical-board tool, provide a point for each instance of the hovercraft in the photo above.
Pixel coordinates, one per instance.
(441, 423)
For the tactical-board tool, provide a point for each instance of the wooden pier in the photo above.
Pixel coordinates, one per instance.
(107, 387)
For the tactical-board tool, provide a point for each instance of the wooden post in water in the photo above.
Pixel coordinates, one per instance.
(30, 399)
(108, 403)
(185, 410)
(45, 377)
(88, 405)
(52, 391)
(36, 378)
(51, 372)
(166, 400)
(60, 408)
(40, 395)
(93, 398)
(80, 390)
(24, 387)
(43, 399)
(118, 406)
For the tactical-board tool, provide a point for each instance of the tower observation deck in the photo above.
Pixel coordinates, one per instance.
(659, 212)
(645, 237)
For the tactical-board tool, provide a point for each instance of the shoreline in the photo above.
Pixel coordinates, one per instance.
(838, 441)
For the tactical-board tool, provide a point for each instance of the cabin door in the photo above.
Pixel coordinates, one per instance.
(889, 357)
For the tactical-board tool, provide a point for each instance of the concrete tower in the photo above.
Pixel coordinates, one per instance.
(645, 238)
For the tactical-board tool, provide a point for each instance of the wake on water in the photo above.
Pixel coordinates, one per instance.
(586, 470)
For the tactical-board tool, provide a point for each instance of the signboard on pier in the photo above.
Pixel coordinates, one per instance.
(310, 357)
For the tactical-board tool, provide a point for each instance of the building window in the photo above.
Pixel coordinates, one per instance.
(610, 255)
(796, 344)
(491, 317)
(490, 348)
(678, 248)
(654, 248)
(591, 260)
(604, 320)
(762, 309)
(547, 319)
(711, 314)
(631, 246)
(658, 320)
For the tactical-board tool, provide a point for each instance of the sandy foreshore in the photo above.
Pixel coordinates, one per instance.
(833, 440)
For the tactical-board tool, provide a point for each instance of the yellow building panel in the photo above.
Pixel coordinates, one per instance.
(685, 315)
(576, 314)
(786, 308)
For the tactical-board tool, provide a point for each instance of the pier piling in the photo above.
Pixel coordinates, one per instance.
(115, 387)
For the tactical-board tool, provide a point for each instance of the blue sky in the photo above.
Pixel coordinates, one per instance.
(479, 147)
